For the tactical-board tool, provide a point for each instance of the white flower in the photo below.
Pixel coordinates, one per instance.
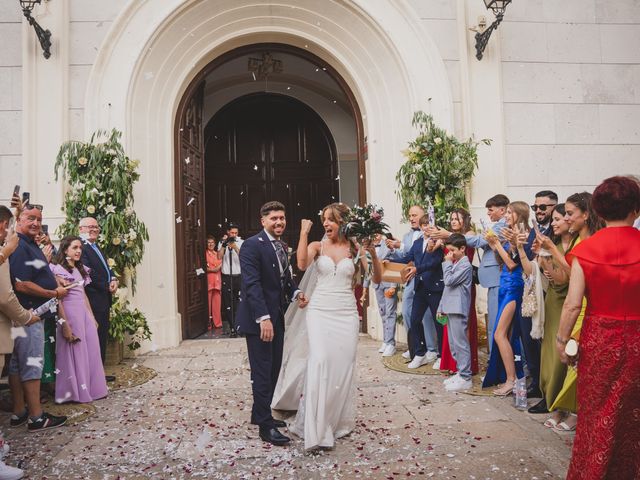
(111, 262)
(83, 161)
(437, 140)
(116, 240)
(132, 235)
(110, 209)
(91, 209)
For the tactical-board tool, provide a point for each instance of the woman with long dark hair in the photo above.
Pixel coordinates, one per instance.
(214, 283)
(80, 376)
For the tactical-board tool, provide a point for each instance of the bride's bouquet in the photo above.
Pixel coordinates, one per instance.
(365, 222)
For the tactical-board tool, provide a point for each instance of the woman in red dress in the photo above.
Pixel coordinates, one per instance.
(606, 270)
(460, 222)
(214, 283)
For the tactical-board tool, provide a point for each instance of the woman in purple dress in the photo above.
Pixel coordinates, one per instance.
(80, 375)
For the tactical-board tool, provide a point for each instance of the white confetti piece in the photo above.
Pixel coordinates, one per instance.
(34, 362)
(61, 321)
(191, 200)
(17, 332)
(199, 271)
(52, 339)
(255, 167)
(517, 358)
(57, 371)
(338, 177)
(187, 160)
(179, 220)
(53, 308)
(66, 397)
(198, 222)
(83, 386)
(37, 263)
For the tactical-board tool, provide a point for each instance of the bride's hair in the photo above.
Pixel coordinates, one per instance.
(338, 213)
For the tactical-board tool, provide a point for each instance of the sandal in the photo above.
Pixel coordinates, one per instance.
(504, 390)
(565, 427)
(551, 422)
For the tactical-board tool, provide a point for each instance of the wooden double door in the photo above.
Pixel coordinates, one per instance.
(257, 148)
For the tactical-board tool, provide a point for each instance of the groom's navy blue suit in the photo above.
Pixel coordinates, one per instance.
(265, 291)
(428, 287)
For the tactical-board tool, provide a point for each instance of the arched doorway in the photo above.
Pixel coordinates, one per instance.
(260, 146)
(265, 146)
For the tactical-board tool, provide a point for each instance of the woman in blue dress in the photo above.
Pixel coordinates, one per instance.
(505, 364)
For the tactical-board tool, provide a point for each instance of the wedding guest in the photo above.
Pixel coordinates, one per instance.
(400, 248)
(426, 273)
(81, 378)
(387, 299)
(34, 284)
(12, 314)
(584, 222)
(502, 363)
(606, 269)
(229, 254)
(552, 370)
(455, 302)
(214, 283)
(489, 269)
(104, 282)
(460, 222)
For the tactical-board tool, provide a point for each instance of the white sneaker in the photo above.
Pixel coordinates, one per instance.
(458, 385)
(417, 361)
(10, 473)
(436, 365)
(406, 355)
(382, 347)
(389, 351)
(451, 378)
(431, 356)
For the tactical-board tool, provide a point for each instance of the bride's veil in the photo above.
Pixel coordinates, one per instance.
(296, 349)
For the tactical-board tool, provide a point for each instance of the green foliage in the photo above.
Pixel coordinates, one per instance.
(100, 177)
(125, 321)
(438, 170)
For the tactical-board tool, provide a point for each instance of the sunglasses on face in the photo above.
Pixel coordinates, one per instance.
(542, 207)
(31, 206)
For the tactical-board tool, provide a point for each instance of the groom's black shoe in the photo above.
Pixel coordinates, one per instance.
(279, 423)
(540, 407)
(273, 436)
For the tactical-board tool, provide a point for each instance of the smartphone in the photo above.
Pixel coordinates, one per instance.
(16, 190)
(26, 197)
(45, 229)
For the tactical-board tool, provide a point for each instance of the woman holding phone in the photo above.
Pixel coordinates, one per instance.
(80, 375)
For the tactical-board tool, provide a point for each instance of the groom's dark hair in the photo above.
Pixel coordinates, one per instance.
(272, 206)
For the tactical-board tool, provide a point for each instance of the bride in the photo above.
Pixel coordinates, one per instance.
(317, 375)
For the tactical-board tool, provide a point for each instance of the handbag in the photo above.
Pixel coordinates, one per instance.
(529, 299)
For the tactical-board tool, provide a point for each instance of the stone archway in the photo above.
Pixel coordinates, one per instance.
(155, 49)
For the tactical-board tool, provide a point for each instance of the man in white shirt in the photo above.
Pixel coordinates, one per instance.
(229, 253)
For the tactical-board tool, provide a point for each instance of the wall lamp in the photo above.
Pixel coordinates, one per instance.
(482, 38)
(44, 36)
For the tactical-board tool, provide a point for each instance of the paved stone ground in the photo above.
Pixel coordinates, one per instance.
(191, 421)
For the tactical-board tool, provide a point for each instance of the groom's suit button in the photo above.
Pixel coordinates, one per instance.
(273, 436)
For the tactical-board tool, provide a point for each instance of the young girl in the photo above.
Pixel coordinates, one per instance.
(80, 375)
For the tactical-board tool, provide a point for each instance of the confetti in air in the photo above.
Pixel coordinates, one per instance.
(34, 362)
(179, 220)
(67, 396)
(255, 167)
(191, 200)
(52, 339)
(199, 271)
(57, 371)
(37, 264)
(187, 160)
(17, 332)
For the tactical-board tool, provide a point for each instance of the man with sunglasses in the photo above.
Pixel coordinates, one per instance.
(543, 206)
(34, 284)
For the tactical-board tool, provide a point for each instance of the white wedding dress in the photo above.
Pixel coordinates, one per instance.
(317, 375)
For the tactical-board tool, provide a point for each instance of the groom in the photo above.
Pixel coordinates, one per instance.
(266, 290)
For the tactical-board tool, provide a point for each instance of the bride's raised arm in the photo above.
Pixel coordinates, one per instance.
(377, 265)
(306, 252)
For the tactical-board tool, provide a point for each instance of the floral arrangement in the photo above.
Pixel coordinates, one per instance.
(365, 222)
(128, 322)
(438, 170)
(100, 177)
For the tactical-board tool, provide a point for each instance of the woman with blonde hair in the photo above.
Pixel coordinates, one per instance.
(502, 364)
(326, 406)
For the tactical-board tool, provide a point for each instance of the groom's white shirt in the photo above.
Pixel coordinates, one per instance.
(295, 294)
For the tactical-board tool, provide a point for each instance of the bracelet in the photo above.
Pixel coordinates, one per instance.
(56, 292)
(563, 342)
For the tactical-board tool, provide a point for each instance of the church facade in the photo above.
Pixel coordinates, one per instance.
(227, 103)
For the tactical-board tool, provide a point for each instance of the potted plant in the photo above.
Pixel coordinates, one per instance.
(438, 170)
(100, 179)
